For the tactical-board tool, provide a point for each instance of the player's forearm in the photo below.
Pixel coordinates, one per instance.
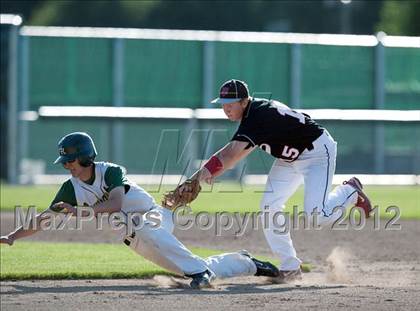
(203, 174)
(224, 159)
(228, 160)
(110, 206)
(216, 166)
(22, 232)
(212, 169)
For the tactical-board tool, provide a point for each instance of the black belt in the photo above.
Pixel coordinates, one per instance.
(127, 241)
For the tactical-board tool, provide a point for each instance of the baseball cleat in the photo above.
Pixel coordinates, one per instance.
(362, 200)
(264, 268)
(288, 276)
(202, 279)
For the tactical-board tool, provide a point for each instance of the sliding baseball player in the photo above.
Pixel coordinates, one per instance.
(105, 188)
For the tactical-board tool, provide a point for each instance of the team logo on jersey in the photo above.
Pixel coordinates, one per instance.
(105, 197)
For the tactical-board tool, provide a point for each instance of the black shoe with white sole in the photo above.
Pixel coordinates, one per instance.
(264, 268)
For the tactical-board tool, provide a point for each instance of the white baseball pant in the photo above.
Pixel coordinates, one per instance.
(314, 168)
(161, 247)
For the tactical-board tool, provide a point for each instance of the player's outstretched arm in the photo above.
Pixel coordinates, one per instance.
(224, 159)
(22, 232)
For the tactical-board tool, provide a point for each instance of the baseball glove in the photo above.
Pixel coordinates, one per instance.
(184, 194)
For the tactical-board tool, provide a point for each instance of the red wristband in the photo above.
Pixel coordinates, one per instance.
(214, 165)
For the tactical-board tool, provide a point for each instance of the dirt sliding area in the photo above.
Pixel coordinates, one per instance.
(367, 269)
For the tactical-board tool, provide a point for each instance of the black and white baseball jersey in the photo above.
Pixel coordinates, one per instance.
(277, 129)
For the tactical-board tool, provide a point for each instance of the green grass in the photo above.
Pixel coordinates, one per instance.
(228, 197)
(407, 198)
(24, 196)
(43, 260)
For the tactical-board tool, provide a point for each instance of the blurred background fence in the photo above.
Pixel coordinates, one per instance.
(68, 66)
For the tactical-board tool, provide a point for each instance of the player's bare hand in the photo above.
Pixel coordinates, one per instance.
(6, 240)
(64, 208)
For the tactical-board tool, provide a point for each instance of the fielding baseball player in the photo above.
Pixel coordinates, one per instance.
(104, 187)
(305, 153)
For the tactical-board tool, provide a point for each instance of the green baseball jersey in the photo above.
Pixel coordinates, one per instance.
(106, 177)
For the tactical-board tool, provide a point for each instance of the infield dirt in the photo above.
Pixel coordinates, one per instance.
(366, 269)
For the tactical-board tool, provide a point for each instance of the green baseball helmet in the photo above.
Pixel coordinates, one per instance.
(78, 145)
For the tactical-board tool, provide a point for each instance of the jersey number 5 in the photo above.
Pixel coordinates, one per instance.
(290, 153)
(287, 153)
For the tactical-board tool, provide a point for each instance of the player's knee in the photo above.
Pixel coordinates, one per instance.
(147, 232)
